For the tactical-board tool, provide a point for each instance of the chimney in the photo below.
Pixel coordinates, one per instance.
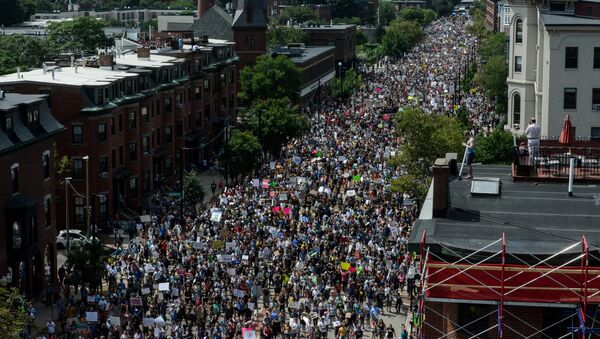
(52, 74)
(143, 53)
(106, 61)
(441, 189)
(204, 6)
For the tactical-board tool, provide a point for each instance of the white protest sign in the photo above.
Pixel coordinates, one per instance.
(272, 165)
(351, 193)
(175, 292)
(163, 286)
(251, 306)
(145, 291)
(283, 197)
(159, 321)
(250, 335)
(230, 245)
(255, 183)
(145, 218)
(231, 272)
(239, 293)
(91, 316)
(115, 321)
(245, 257)
(148, 322)
(91, 299)
(216, 216)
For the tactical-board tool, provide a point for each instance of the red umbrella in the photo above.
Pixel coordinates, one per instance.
(566, 135)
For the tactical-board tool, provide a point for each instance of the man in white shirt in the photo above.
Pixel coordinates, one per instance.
(533, 132)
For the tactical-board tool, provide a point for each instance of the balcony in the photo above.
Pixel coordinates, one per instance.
(552, 162)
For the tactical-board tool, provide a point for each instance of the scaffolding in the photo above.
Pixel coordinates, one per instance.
(563, 279)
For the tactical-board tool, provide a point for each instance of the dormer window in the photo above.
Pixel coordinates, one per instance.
(8, 123)
(557, 6)
(33, 117)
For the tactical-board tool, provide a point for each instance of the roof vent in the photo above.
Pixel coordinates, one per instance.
(485, 186)
(2, 94)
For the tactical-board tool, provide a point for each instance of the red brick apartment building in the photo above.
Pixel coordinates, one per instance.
(139, 117)
(27, 193)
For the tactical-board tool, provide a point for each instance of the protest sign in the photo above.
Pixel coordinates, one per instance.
(163, 286)
(91, 316)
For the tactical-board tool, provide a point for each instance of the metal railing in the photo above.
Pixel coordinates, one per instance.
(553, 161)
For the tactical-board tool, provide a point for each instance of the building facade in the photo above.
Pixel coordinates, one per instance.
(127, 17)
(27, 192)
(342, 37)
(141, 119)
(554, 65)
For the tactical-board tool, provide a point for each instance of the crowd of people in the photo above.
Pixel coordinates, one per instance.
(313, 245)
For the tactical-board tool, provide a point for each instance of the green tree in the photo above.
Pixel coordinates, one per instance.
(420, 15)
(86, 260)
(22, 51)
(492, 46)
(244, 150)
(276, 122)
(12, 313)
(361, 37)
(11, 12)
(426, 137)
(387, 12)
(478, 27)
(495, 148)
(270, 78)
(298, 15)
(414, 185)
(347, 21)
(192, 187)
(492, 78)
(400, 37)
(283, 35)
(146, 25)
(347, 84)
(80, 34)
(442, 7)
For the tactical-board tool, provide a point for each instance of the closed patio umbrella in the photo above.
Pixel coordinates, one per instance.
(566, 134)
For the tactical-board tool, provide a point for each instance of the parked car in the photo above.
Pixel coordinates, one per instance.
(75, 237)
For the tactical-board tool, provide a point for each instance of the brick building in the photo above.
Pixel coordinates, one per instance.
(140, 119)
(342, 37)
(27, 192)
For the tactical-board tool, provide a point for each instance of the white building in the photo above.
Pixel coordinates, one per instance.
(554, 66)
(126, 16)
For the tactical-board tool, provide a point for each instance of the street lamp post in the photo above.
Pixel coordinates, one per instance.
(67, 183)
(87, 195)
(341, 79)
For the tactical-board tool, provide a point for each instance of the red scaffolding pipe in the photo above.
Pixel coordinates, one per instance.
(501, 315)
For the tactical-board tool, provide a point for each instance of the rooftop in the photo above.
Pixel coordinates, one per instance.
(67, 76)
(567, 20)
(155, 60)
(301, 55)
(538, 218)
(328, 27)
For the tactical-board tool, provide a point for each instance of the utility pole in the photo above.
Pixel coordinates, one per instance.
(227, 136)
(87, 195)
(67, 182)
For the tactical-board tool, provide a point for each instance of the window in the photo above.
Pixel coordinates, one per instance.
(168, 105)
(517, 110)
(465, 316)
(198, 93)
(77, 132)
(206, 84)
(47, 209)
(518, 64)
(198, 119)
(168, 133)
(595, 133)
(571, 54)
(17, 234)
(507, 16)
(103, 164)
(147, 180)
(102, 132)
(121, 155)
(79, 210)
(596, 99)
(46, 164)
(596, 57)
(169, 166)
(103, 207)
(179, 128)
(519, 31)
(8, 123)
(146, 145)
(113, 158)
(100, 97)
(145, 117)
(133, 151)
(14, 178)
(158, 136)
(133, 187)
(570, 98)
(112, 126)
(131, 123)
(33, 117)
(78, 168)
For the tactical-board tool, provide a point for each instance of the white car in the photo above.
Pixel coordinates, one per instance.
(75, 238)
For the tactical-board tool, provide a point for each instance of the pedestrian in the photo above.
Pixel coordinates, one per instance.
(403, 332)
(533, 133)
(470, 155)
(213, 188)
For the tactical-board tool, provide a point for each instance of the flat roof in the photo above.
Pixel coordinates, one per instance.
(567, 20)
(155, 60)
(340, 26)
(85, 76)
(308, 52)
(536, 218)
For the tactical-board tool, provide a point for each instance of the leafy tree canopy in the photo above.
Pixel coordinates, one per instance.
(420, 15)
(276, 122)
(192, 187)
(12, 313)
(400, 37)
(244, 150)
(495, 148)
(426, 137)
(283, 35)
(298, 15)
(387, 12)
(79, 34)
(492, 46)
(350, 81)
(492, 78)
(22, 51)
(270, 77)
(347, 21)
(86, 260)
